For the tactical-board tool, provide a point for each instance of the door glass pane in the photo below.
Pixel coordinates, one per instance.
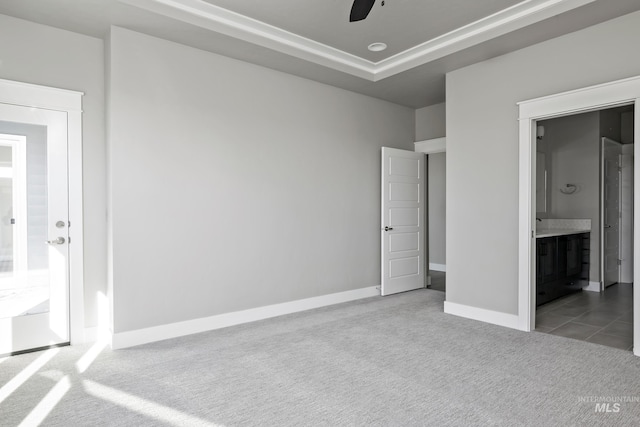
(24, 257)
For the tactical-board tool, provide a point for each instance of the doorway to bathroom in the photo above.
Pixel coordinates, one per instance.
(584, 241)
(601, 97)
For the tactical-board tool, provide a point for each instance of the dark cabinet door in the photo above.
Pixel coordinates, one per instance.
(546, 269)
(562, 256)
(547, 260)
(574, 255)
(562, 266)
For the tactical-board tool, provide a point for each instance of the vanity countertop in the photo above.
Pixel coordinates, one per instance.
(551, 232)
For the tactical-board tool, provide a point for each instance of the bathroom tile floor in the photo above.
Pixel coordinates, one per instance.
(603, 318)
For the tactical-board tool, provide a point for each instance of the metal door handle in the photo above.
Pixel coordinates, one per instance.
(58, 241)
(388, 228)
(607, 226)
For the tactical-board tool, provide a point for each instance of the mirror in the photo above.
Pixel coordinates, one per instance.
(541, 183)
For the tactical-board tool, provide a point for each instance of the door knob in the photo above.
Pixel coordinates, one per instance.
(388, 228)
(58, 241)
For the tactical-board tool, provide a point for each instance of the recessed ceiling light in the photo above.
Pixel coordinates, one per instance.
(377, 47)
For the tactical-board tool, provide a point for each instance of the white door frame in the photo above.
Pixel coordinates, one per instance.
(69, 102)
(592, 98)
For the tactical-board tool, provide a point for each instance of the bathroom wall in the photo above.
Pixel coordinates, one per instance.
(573, 157)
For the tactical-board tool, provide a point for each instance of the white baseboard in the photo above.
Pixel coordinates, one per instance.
(481, 314)
(593, 287)
(188, 327)
(437, 267)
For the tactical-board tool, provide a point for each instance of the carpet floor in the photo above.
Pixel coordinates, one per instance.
(392, 361)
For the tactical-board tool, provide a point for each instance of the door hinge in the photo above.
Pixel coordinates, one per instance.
(69, 240)
(619, 262)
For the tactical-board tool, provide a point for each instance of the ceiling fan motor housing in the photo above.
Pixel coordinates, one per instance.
(360, 9)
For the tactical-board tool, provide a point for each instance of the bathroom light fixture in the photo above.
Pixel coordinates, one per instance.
(540, 132)
(377, 47)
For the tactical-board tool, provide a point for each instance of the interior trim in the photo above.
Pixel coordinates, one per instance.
(483, 315)
(431, 146)
(500, 23)
(214, 18)
(30, 95)
(438, 267)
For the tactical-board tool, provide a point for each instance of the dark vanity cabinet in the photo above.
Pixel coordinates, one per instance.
(562, 265)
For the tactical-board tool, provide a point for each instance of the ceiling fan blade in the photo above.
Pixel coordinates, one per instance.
(360, 9)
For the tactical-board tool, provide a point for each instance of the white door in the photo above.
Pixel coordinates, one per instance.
(403, 220)
(34, 283)
(611, 156)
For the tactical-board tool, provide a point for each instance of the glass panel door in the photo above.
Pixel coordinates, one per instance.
(34, 291)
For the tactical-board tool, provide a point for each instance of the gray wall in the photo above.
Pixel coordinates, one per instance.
(234, 186)
(482, 149)
(437, 208)
(431, 122)
(47, 56)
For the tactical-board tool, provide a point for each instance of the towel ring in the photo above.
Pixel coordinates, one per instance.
(569, 189)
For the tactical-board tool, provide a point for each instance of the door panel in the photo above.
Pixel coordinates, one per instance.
(34, 284)
(403, 221)
(611, 155)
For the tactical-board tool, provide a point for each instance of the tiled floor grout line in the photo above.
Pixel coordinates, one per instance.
(598, 307)
(568, 321)
(601, 328)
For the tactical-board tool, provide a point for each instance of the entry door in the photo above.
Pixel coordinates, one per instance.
(34, 282)
(611, 162)
(403, 220)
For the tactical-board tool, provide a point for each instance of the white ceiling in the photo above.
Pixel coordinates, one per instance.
(313, 38)
(401, 24)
